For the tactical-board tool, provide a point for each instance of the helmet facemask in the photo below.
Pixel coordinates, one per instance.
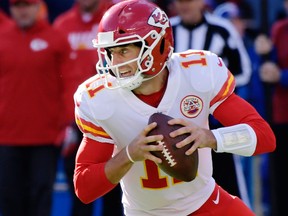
(144, 59)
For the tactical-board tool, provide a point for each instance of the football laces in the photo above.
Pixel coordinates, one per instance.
(168, 157)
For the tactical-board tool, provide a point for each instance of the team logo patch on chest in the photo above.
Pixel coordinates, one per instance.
(191, 106)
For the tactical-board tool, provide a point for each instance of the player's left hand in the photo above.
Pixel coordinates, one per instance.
(200, 136)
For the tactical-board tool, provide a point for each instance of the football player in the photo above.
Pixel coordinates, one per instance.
(138, 75)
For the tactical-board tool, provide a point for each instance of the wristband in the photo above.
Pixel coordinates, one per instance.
(238, 139)
(128, 155)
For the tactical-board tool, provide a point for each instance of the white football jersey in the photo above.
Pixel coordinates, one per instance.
(198, 82)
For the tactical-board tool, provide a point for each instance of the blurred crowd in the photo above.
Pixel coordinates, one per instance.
(36, 94)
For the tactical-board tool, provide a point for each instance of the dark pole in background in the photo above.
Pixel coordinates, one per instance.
(265, 28)
(264, 16)
(268, 88)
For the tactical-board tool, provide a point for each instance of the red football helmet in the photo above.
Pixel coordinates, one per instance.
(140, 22)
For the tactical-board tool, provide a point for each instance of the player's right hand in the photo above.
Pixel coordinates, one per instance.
(138, 148)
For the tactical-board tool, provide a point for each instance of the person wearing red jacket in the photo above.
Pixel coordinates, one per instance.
(5, 21)
(34, 63)
(80, 25)
(275, 74)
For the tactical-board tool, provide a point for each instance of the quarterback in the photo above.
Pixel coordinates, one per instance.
(138, 75)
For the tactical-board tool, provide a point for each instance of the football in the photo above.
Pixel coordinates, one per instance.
(174, 161)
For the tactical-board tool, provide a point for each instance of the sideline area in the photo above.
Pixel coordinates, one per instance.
(62, 196)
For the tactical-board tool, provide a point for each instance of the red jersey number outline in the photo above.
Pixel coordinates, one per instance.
(93, 91)
(153, 179)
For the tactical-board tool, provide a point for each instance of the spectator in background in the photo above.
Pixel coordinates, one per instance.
(196, 28)
(166, 5)
(276, 74)
(255, 168)
(5, 21)
(283, 11)
(80, 25)
(33, 68)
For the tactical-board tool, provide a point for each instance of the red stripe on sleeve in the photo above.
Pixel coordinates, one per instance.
(88, 127)
(226, 89)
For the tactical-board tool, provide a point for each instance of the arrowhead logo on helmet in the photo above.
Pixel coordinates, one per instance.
(158, 19)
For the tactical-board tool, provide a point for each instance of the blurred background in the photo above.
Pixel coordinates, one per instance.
(261, 15)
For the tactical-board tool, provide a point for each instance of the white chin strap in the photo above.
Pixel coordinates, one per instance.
(138, 80)
(132, 83)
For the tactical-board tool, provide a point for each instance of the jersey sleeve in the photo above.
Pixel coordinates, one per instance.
(222, 81)
(84, 117)
(93, 152)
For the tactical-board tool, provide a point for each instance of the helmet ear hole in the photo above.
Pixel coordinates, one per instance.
(162, 46)
(121, 31)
